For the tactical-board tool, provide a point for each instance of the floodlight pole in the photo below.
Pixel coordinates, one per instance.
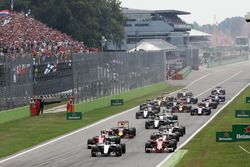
(12, 5)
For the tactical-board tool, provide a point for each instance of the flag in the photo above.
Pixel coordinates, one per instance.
(4, 12)
(7, 21)
(50, 68)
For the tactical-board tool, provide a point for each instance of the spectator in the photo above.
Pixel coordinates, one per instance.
(23, 34)
(41, 104)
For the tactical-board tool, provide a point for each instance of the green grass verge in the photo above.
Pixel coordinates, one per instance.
(175, 158)
(24, 133)
(127, 96)
(204, 151)
(23, 112)
(20, 112)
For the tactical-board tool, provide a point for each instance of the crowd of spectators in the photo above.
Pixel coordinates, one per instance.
(21, 33)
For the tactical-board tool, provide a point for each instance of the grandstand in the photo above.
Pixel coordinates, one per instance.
(20, 33)
(34, 59)
(154, 24)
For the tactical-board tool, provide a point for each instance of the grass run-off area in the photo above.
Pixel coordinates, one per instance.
(204, 151)
(23, 133)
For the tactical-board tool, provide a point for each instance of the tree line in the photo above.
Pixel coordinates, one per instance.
(85, 20)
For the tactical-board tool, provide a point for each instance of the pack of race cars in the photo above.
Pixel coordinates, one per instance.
(159, 114)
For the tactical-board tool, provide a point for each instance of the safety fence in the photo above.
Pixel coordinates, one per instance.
(226, 60)
(16, 75)
(105, 74)
(87, 76)
(225, 55)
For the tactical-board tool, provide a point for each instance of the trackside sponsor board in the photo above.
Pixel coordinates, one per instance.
(74, 116)
(225, 137)
(242, 113)
(241, 132)
(117, 102)
(247, 99)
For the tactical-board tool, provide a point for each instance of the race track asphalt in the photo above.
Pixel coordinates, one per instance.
(72, 151)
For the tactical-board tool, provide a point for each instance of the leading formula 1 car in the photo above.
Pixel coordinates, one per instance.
(184, 93)
(218, 90)
(108, 148)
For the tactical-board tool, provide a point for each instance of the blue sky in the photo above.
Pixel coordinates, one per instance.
(202, 11)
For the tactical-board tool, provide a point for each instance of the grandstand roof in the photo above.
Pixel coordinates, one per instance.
(142, 11)
(196, 33)
(153, 45)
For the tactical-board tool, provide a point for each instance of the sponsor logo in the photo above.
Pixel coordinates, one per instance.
(226, 134)
(247, 129)
(242, 136)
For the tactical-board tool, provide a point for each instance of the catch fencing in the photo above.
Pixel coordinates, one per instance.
(16, 80)
(105, 74)
(87, 76)
(225, 55)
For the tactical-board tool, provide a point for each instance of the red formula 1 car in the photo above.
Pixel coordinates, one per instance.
(160, 145)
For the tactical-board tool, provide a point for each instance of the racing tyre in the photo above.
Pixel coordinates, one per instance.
(183, 129)
(90, 141)
(172, 145)
(93, 151)
(152, 137)
(175, 117)
(117, 140)
(195, 100)
(118, 151)
(133, 131)
(208, 112)
(123, 148)
(137, 116)
(147, 145)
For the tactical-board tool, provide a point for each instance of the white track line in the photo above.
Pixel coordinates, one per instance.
(244, 149)
(64, 136)
(219, 83)
(191, 83)
(79, 130)
(183, 144)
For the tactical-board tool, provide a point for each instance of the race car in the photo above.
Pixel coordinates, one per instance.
(218, 90)
(165, 135)
(181, 108)
(169, 104)
(209, 103)
(106, 135)
(123, 130)
(188, 100)
(200, 110)
(218, 98)
(146, 112)
(167, 116)
(108, 148)
(160, 145)
(155, 123)
(173, 128)
(184, 93)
